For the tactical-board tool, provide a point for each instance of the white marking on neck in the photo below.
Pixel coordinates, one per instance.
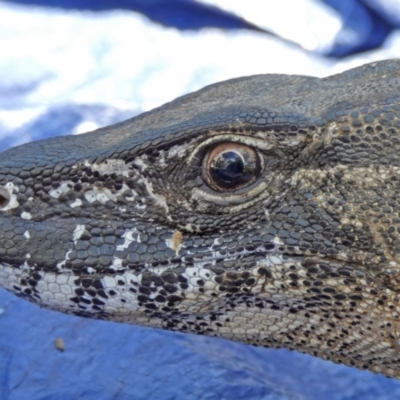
(103, 195)
(129, 238)
(111, 166)
(78, 232)
(277, 240)
(159, 200)
(61, 264)
(26, 215)
(140, 163)
(64, 187)
(13, 191)
(76, 203)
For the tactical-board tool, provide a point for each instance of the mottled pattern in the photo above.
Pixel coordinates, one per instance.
(120, 223)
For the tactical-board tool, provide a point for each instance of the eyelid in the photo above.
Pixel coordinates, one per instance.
(229, 198)
(256, 143)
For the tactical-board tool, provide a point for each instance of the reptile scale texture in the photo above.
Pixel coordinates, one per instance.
(264, 209)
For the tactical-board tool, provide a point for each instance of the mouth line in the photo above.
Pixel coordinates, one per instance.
(240, 261)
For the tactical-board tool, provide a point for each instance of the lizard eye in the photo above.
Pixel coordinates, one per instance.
(230, 166)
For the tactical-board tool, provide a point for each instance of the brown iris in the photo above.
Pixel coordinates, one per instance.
(230, 166)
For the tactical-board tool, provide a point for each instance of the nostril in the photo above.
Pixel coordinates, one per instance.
(4, 197)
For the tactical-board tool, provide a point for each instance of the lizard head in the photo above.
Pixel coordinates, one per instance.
(264, 209)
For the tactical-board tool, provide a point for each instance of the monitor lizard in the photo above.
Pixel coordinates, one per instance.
(263, 209)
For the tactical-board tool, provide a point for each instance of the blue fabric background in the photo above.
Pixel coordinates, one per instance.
(368, 20)
(104, 360)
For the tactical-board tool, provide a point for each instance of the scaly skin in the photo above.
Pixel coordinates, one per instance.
(128, 224)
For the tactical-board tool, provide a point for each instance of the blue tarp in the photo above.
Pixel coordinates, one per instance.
(104, 360)
(181, 14)
(366, 23)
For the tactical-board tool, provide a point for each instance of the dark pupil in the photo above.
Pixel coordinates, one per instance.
(228, 170)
